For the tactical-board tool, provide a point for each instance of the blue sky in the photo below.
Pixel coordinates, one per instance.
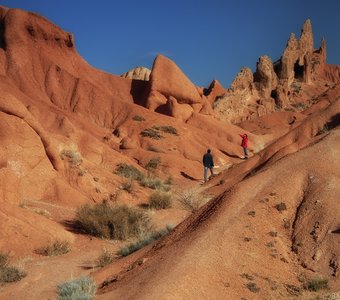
(207, 39)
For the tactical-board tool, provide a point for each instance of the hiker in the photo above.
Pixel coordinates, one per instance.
(244, 144)
(208, 163)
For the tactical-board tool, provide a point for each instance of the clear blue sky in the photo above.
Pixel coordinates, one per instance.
(207, 39)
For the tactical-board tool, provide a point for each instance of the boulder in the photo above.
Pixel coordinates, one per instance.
(168, 80)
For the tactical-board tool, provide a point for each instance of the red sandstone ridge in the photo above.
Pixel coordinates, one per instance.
(65, 127)
(64, 123)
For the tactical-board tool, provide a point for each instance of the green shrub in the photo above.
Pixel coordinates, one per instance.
(11, 274)
(160, 200)
(79, 289)
(316, 284)
(138, 118)
(129, 171)
(105, 258)
(112, 222)
(55, 248)
(144, 241)
(151, 133)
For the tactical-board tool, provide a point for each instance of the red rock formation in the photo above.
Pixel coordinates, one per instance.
(281, 84)
(214, 90)
(265, 77)
(167, 80)
(295, 61)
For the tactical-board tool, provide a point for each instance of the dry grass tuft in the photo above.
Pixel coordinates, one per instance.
(105, 258)
(112, 222)
(191, 199)
(55, 248)
(160, 200)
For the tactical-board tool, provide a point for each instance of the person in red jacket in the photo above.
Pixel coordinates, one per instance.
(244, 145)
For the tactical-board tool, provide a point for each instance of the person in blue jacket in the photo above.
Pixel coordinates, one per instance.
(208, 163)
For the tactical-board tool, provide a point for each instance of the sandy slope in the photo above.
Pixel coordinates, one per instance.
(233, 236)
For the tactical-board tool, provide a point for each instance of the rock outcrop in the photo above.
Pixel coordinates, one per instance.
(172, 91)
(265, 77)
(138, 73)
(278, 85)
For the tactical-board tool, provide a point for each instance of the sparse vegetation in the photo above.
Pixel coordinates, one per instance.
(112, 222)
(42, 212)
(153, 163)
(9, 273)
(166, 129)
(281, 206)
(252, 213)
(105, 258)
(151, 133)
(138, 118)
(144, 241)
(127, 186)
(4, 259)
(154, 183)
(252, 287)
(160, 200)
(129, 171)
(74, 157)
(55, 248)
(247, 276)
(299, 106)
(286, 223)
(169, 180)
(295, 87)
(81, 172)
(154, 132)
(191, 199)
(293, 290)
(316, 284)
(323, 130)
(83, 288)
(273, 233)
(270, 244)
